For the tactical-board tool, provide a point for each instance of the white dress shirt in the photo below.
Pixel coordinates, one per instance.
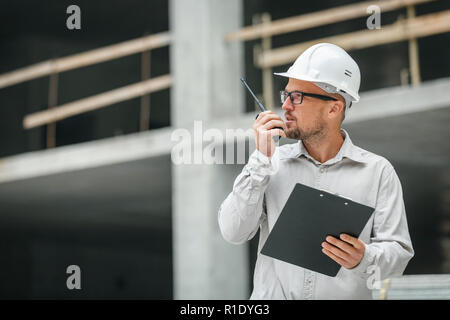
(262, 189)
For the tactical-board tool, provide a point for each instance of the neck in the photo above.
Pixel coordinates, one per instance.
(326, 146)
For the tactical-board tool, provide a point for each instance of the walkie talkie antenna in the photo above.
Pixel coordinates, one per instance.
(259, 103)
(253, 95)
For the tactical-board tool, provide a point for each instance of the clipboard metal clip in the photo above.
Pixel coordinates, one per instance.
(337, 194)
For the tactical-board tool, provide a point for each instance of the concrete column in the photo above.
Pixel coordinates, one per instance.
(206, 69)
(206, 73)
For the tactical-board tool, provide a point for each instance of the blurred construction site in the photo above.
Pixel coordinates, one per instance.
(87, 114)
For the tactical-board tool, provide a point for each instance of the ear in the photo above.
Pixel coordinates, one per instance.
(335, 110)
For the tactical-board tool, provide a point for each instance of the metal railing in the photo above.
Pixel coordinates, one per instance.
(53, 67)
(405, 29)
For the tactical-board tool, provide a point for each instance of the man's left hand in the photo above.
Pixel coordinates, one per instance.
(348, 251)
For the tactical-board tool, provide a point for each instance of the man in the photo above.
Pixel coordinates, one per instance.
(323, 82)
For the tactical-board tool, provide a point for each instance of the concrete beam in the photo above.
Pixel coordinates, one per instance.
(85, 155)
(373, 105)
(394, 101)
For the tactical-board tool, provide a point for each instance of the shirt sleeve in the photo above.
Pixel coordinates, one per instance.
(241, 212)
(390, 247)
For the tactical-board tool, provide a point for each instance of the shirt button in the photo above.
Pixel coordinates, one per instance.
(322, 170)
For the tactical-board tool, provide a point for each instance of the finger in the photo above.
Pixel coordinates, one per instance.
(260, 122)
(259, 119)
(358, 244)
(274, 123)
(270, 117)
(334, 257)
(261, 114)
(267, 117)
(277, 132)
(336, 251)
(341, 244)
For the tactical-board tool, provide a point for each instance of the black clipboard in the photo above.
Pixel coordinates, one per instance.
(307, 218)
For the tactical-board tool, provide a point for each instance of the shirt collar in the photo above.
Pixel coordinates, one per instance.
(348, 150)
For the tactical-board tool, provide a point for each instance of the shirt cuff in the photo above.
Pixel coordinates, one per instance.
(366, 261)
(260, 167)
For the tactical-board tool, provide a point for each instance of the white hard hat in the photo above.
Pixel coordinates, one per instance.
(329, 67)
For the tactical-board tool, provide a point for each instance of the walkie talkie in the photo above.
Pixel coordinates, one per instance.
(260, 105)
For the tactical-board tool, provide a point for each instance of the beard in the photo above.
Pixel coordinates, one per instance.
(317, 131)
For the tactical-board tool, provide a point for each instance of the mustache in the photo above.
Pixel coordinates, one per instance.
(289, 117)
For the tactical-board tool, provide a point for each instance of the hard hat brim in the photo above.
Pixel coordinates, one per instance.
(289, 75)
(355, 98)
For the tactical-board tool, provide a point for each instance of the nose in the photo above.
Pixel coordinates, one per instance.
(287, 105)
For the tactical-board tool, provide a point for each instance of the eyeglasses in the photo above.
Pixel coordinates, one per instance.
(297, 96)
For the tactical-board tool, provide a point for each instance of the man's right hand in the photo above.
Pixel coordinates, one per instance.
(264, 131)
